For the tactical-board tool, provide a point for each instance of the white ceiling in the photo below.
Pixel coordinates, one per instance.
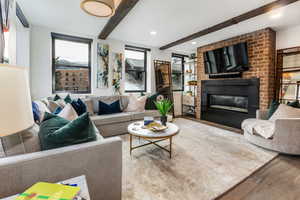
(171, 19)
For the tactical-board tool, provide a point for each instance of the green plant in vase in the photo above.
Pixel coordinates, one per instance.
(164, 107)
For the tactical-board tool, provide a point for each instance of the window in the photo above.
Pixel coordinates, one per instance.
(71, 56)
(178, 72)
(289, 74)
(135, 69)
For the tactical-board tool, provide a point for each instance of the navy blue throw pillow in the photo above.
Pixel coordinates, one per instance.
(79, 106)
(36, 112)
(57, 110)
(105, 109)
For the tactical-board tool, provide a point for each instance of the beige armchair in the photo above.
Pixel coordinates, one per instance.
(286, 137)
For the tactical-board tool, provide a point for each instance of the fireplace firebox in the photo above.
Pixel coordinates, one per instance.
(229, 102)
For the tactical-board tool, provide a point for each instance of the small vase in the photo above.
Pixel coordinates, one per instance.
(163, 120)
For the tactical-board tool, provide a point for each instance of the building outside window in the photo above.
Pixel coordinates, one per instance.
(178, 72)
(71, 55)
(135, 69)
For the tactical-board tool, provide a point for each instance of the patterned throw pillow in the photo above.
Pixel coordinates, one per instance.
(56, 98)
(42, 108)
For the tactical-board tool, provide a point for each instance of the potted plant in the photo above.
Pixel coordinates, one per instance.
(163, 107)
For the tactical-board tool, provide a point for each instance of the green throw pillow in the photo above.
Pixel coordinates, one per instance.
(56, 132)
(56, 98)
(68, 99)
(150, 105)
(294, 104)
(273, 107)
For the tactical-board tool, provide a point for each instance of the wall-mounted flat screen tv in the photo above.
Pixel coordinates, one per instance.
(227, 59)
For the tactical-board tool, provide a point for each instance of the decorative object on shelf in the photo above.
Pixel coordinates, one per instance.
(15, 102)
(98, 8)
(190, 87)
(164, 108)
(117, 72)
(103, 65)
(190, 83)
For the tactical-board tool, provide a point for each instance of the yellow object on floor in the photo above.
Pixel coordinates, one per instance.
(49, 191)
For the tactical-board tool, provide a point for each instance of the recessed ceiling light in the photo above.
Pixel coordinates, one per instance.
(153, 33)
(193, 43)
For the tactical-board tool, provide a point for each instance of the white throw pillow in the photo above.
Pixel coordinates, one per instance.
(284, 112)
(68, 113)
(42, 108)
(136, 104)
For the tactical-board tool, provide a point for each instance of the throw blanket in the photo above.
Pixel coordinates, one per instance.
(263, 128)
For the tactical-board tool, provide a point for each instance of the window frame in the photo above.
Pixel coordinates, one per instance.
(281, 70)
(174, 55)
(145, 51)
(58, 36)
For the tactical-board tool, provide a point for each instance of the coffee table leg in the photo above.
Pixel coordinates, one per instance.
(170, 147)
(130, 143)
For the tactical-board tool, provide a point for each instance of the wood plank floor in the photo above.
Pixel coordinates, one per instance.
(278, 180)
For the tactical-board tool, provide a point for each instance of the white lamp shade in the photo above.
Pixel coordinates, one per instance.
(15, 101)
(99, 8)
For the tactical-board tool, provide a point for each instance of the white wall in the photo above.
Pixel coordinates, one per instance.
(23, 46)
(288, 38)
(41, 67)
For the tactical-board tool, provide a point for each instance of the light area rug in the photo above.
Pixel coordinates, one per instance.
(207, 162)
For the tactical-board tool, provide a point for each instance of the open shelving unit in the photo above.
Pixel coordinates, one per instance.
(190, 88)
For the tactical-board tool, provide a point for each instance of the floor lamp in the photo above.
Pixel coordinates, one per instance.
(15, 101)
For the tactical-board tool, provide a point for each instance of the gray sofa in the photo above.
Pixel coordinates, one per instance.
(100, 161)
(115, 124)
(285, 138)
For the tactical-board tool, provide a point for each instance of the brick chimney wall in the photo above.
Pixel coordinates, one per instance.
(261, 52)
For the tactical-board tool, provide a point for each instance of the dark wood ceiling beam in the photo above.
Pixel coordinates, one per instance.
(235, 20)
(121, 12)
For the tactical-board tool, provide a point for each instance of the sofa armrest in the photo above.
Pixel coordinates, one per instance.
(100, 161)
(262, 114)
(287, 131)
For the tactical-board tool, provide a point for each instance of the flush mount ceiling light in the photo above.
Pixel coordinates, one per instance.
(98, 8)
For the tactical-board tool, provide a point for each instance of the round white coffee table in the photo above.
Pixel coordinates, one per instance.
(136, 129)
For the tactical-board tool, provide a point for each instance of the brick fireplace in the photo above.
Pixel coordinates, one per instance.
(261, 52)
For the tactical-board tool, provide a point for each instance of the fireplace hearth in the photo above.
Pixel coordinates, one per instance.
(229, 102)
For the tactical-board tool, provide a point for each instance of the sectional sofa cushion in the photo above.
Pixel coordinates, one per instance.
(56, 132)
(111, 119)
(26, 141)
(147, 113)
(113, 108)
